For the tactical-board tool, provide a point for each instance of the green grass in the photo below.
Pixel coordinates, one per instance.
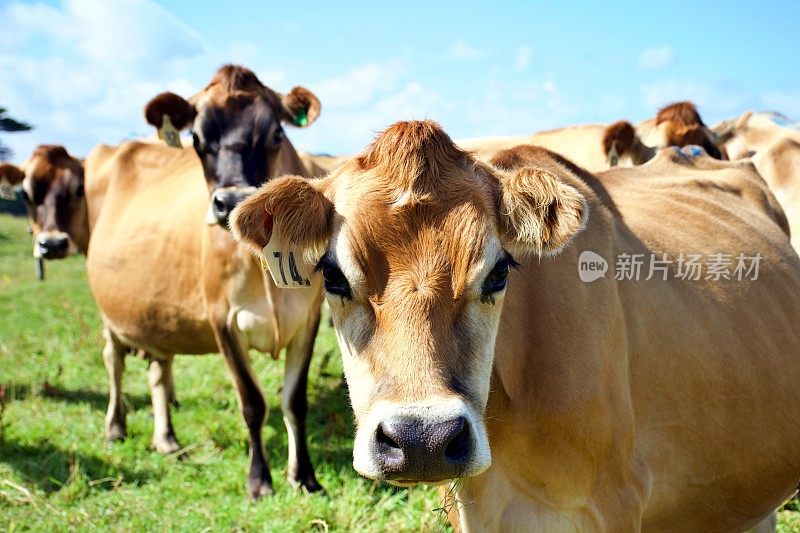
(56, 474)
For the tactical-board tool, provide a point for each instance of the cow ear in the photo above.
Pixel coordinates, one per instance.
(289, 216)
(169, 114)
(11, 175)
(301, 107)
(539, 211)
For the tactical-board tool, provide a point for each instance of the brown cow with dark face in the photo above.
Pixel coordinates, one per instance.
(53, 191)
(169, 278)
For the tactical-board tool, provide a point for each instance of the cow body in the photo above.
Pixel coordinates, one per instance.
(580, 144)
(557, 404)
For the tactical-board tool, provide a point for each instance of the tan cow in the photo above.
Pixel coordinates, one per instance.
(168, 277)
(474, 352)
(581, 144)
(597, 147)
(774, 146)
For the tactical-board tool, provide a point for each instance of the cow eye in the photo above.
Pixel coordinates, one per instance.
(497, 278)
(79, 191)
(278, 136)
(334, 280)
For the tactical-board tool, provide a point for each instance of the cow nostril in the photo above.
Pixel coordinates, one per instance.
(457, 449)
(392, 456)
(384, 439)
(219, 205)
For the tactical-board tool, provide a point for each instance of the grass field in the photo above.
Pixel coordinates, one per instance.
(56, 474)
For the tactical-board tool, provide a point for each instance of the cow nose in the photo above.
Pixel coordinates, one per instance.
(53, 247)
(414, 451)
(222, 204)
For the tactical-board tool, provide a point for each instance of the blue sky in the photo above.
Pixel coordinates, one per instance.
(81, 70)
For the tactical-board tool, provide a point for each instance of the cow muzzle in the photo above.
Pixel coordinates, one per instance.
(223, 201)
(51, 245)
(431, 444)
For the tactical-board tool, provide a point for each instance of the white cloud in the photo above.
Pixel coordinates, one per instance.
(655, 58)
(464, 51)
(509, 107)
(365, 101)
(104, 62)
(523, 59)
(359, 85)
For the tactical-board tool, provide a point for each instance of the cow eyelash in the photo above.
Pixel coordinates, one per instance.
(334, 280)
(498, 277)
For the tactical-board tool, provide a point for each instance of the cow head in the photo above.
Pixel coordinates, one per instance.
(237, 129)
(678, 124)
(54, 195)
(621, 143)
(415, 241)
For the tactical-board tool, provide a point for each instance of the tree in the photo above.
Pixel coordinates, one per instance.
(10, 125)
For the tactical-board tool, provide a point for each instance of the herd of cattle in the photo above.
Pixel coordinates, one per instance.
(555, 404)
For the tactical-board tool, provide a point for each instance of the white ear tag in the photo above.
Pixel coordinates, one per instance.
(286, 266)
(7, 191)
(168, 133)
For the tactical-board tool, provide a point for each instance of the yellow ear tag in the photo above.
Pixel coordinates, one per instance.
(286, 266)
(168, 133)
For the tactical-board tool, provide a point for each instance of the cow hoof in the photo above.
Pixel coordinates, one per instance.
(309, 484)
(115, 434)
(260, 489)
(166, 446)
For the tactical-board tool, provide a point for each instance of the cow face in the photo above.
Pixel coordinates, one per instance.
(54, 195)
(415, 241)
(237, 130)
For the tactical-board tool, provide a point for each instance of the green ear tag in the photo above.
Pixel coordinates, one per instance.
(301, 118)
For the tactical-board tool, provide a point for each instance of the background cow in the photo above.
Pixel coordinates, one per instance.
(53, 192)
(621, 404)
(773, 143)
(598, 147)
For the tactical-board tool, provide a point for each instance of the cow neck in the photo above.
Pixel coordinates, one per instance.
(287, 162)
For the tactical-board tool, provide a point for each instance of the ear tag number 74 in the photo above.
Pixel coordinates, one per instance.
(282, 266)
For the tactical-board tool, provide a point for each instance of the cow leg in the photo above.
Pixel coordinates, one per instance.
(114, 358)
(159, 377)
(172, 398)
(300, 471)
(253, 407)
